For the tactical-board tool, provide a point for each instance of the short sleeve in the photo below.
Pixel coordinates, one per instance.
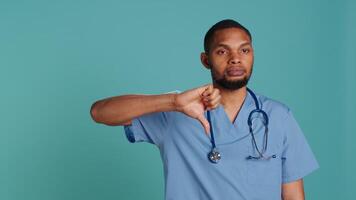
(297, 158)
(147, 128)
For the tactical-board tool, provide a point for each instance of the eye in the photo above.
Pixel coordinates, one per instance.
(221, 52)
(245, 50)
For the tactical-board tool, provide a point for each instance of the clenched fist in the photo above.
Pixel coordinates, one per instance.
(195, 101)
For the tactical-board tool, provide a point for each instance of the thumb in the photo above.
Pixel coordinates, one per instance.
(205, 123)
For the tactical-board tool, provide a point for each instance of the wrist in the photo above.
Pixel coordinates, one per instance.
(174, 102)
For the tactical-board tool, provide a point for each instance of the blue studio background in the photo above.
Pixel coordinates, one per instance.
(58, 57)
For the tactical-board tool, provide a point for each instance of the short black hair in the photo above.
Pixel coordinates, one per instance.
(226, 23)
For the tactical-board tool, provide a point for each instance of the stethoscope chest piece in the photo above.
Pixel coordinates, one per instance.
(214, 156)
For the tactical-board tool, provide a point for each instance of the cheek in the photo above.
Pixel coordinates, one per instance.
(219, 63)
(249, 57)
(249, 61)
(218, 69)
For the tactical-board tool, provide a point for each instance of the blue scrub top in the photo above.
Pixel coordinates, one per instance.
(184, 146)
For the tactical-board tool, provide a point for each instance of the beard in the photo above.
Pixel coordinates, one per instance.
(230, 84)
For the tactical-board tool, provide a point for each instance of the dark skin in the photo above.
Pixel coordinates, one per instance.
(232, 48)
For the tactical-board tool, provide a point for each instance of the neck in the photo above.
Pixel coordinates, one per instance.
(232, 99)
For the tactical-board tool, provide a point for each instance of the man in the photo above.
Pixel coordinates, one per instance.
(253, 147)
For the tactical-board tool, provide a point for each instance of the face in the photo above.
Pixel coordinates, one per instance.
(230, 58)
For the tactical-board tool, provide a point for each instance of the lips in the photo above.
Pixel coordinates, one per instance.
(235, 71)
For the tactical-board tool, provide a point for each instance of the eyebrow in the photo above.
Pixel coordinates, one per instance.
(227, 46)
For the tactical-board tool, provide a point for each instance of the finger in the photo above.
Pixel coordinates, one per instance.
(200, 90)
(205, 123)
(215, 93)
(213, 103)
(209, 89)
(211, 107)
(212, 98)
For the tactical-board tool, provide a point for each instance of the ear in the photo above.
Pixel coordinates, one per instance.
(204, 60)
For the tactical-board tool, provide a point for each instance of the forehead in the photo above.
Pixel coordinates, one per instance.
(230, 37)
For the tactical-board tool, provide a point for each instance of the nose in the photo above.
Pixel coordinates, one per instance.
(234, 59)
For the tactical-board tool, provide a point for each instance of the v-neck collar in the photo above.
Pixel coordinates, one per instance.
(238, 113)
(224, 130)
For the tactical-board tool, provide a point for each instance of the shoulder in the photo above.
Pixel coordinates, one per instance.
(273, 106)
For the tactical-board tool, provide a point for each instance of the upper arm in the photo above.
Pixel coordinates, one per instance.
(147, 128)
(126, 123)
(293, 190)
(297, 157)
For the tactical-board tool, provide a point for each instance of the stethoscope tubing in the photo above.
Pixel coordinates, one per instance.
(214, 155)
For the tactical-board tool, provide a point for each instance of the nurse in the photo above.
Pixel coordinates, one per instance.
(220, 140)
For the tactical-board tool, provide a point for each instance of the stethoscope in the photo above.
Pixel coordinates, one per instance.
(214, 155)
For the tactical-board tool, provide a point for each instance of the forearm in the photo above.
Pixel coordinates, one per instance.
(120, 110)
(293, 190)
